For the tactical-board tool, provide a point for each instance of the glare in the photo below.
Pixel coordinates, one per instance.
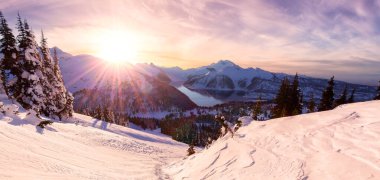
(118, 47)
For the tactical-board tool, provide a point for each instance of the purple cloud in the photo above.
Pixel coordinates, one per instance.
(247, 31)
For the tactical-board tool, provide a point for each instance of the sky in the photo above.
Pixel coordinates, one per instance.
(318, 38)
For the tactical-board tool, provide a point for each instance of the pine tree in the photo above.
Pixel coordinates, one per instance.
(112, 117)
(106, 114)
(64, 99)
(32, 77)
(98, 113)
(377, 97)
(342, 99)
(29, 75)
(10, 72)
(311, 104)
(327, 97)
(351, 99)
(257, 110)
(49, 80)
(281, 101)
(295, 98)
(21, 37)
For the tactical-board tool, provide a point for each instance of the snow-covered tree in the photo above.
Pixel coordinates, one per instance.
(10, 73)
(32, 76)
(67, 110)
(49, 80)
(64, 100)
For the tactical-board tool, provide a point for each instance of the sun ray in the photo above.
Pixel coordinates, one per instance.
(118, 47)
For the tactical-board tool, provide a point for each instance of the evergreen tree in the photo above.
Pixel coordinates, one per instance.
(257, 110)
(112, 117)
(351, 99)
(49, 79)
(311, 105)
(377, 97)
(295, 98)
(63, 98)
(29, 74)
(21, 37)
(342, 99)
(98, 113)
(281, 101)
(32, 76)
(107, 114)
(327, 97)
(10, 72)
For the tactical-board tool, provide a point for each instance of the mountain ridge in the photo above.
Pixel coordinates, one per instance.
(250, 83)
(225, 75)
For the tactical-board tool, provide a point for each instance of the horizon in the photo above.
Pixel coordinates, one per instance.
(336, 39)
(217, 61)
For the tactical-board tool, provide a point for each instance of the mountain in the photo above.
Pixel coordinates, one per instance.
(225, 79)
(125, 88)
(338, 144)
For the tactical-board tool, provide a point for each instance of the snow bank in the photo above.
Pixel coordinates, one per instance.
(84, 148)
(245, 120)
(338, 144)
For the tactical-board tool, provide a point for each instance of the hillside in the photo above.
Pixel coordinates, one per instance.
(124, 88)
(83, 148)
(338, 144)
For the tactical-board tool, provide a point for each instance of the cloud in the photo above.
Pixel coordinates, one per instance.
(356, 69)
(192, 33)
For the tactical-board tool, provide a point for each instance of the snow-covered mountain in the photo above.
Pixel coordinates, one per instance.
(129, 88)
(338, 144)
(251, 83)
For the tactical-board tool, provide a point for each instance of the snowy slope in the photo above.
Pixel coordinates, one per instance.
(81, 148)
(338, 144)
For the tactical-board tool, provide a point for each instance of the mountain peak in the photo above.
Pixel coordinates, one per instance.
(222, 64)
(60, 52)
(226, 63)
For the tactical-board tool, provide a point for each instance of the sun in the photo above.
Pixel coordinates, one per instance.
(118, 47)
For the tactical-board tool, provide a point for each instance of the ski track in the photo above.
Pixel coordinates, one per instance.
(68, 151)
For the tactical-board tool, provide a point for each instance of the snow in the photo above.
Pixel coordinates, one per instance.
(222, 67)
(338, 144)
(245, 120)
(80, 148)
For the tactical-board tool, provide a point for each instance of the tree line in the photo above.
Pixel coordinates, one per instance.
(289, 99)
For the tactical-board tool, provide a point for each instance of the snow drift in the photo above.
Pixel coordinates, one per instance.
(338, 144)
(82, 148)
